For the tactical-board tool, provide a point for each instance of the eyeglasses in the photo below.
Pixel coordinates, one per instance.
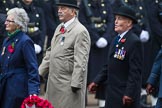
(9, 21)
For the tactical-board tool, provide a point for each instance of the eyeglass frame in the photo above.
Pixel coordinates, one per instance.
(7, 20)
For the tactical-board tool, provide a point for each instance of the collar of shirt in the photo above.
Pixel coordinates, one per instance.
(122, 35)
(68, 22)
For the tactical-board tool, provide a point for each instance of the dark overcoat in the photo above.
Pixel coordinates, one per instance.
(5, 6)
(147, 13)
(37, 20)
(98, 56)
(152, 47)
(20, 69)
(155, 78)
(123, 72)
(52, 20)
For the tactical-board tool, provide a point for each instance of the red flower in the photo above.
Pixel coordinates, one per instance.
(62, 30)
(37, 101)
(11, 48)
(122, 40)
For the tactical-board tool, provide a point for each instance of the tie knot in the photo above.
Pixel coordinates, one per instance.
(117, 39)
(62, 29)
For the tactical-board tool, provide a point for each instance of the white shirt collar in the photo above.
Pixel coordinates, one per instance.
(121, 35)
(68, 22)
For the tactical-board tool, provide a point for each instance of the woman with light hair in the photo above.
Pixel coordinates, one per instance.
(19, 76)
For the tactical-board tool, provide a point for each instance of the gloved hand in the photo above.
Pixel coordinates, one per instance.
(74, 89)
(144, 36)
(101, 42)
(38, 49)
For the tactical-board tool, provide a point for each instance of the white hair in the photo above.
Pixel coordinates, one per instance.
(20, 17)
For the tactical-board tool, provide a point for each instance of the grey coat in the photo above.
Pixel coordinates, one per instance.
(66, 62)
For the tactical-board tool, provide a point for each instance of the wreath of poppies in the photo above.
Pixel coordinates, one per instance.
(36, 102)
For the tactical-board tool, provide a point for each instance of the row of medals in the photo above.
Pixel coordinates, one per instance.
(119, 53)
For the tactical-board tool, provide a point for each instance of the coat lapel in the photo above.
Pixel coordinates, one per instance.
(68, 29)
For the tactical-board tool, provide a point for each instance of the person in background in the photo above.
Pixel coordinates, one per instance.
(51, 18)
(154, 81)
(67, 59)
(50, 9)
(6, 5)
(2, 29)
(19, 76)
(97, 17)
(123, 70)
(36, 25)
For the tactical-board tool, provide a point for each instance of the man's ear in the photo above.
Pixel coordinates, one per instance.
(130, 22)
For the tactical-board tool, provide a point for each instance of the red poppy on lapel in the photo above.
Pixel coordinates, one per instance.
(122, 40)
(11, 48)
(62, 30)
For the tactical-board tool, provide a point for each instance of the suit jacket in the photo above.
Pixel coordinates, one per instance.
(123, 71)
(155, 77)
(67, 64)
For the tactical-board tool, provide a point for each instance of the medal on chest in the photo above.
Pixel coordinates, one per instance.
(3, 51)
(119, 53)
(62, 40)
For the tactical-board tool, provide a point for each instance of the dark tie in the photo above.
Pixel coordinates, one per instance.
(116, 40)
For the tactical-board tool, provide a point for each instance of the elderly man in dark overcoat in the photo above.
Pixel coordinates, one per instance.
(123, 71)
